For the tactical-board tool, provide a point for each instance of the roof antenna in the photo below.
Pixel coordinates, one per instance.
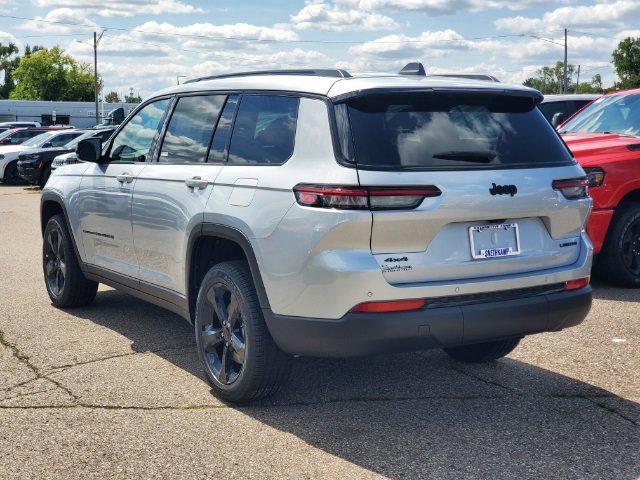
(413, 68)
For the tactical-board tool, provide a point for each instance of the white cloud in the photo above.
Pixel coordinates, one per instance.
(121, 8)
(403, 46)
(332, 17)
(59, 20)
(602, 15)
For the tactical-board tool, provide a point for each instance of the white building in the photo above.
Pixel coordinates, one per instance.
(78, 114)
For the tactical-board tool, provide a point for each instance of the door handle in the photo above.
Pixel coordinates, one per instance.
(196, 182)
(125, 177)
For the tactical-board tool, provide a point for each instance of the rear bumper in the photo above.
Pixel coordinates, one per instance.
(358, 334)
(597, 227)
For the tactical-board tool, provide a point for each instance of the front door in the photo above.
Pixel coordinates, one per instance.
(105, 196)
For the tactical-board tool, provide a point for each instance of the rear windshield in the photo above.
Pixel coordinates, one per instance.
(442, 131)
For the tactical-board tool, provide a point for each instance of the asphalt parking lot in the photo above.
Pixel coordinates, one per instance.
(114, 390)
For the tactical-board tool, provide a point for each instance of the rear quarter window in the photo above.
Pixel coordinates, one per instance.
(426, 131)
(264, 130)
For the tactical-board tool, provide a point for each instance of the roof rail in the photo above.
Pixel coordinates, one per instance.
(471, 76)
(413, 68)
(322, 72)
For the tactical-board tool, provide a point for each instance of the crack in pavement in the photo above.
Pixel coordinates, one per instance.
(24, 358)
(62, 368)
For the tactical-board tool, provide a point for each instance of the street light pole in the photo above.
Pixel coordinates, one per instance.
(565, 82)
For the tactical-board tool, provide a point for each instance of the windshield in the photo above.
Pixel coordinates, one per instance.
(611, 114)
(423, 131)
(38, 140)
(74, 143)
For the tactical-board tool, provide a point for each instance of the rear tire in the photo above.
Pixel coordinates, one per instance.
(240, 359)
(483, 352)
(66, 285)
(619, 260)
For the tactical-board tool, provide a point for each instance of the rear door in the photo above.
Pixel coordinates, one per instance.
(493, 158)
(105, 197)
(171, 193)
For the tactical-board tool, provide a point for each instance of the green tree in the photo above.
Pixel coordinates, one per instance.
(131, 98)
(626, 60)
(51, 74)
(112, 97)
(8, 62)
(549, 80)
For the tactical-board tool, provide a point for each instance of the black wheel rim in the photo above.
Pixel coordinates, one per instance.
(55, 266)
(631, 248)
(223, 337)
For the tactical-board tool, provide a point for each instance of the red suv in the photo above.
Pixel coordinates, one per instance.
(605, 139)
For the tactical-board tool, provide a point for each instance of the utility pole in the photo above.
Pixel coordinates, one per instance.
(565, 83)
(578, 81)
(96, 40)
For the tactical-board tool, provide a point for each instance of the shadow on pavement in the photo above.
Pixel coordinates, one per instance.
(605, 291)
(421, 415)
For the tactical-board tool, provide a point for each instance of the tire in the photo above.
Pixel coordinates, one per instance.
(44, 177)
(618, 262)
(240, 359)
(11, 176)
(63, 278)
(483, 352)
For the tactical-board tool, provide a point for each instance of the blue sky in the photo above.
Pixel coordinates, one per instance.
(148, 43)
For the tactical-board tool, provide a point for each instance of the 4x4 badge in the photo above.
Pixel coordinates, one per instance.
(503, 189)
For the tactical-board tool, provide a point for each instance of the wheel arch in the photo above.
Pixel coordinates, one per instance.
(211, 243)
(52, 204)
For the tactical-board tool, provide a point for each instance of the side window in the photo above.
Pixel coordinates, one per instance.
(264, 130)
(190, 129)
(220, 144)
(133, 142)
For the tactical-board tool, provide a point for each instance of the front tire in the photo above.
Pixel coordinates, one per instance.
(619, 260)
(483, 352)
(241, 361)
(66, 285)
(44, 177)
(11, 176)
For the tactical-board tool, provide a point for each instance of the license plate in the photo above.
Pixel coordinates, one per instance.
(495, 240)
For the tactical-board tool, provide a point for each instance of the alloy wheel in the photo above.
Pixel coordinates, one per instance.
(223, 338)
(631, 248)
(55, 266)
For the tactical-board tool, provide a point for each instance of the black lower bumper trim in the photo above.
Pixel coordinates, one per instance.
(358, 334)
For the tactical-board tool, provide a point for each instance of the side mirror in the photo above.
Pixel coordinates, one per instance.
(89, 150)
(557, 119)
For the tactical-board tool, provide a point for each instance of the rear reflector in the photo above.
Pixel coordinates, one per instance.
(576, 284)
(363, 198)
(572, 188)
(390, 306)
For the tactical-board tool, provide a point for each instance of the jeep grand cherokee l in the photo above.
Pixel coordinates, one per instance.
(312, 212)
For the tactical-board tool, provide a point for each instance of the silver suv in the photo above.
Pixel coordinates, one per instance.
(322, 214)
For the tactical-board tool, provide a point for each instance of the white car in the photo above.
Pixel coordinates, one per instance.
(9, 154)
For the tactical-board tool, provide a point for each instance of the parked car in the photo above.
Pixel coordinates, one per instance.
(17, 136)
(310, 212)
(19, 124)
(9, 154)
(34, 166)
(558, 108)
(605, 139)
(70, 157)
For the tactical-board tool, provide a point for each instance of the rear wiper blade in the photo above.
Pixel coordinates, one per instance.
(479, 156)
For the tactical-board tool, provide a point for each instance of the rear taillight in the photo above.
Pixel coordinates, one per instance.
(572, 188)
(389, 306)
(576, 284)
(363, 198)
